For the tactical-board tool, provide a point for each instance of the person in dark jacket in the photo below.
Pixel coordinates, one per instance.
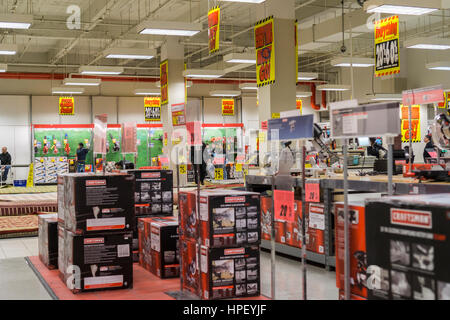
(5, 162)
(202, 165)
(429, 145)
(374, 149)
(81, 157)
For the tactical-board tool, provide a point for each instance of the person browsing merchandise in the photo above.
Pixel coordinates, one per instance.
(81, 157)
(5, 162)
(429, 145)
(375, 148)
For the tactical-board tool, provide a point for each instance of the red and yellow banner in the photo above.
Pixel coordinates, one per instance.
(227, 107)
(164, 78)
(265, 52)
(415, 123)
(446, 103)
(66, 106)
(387, 54)
(214, 29)
(152, 109)
(300, 105)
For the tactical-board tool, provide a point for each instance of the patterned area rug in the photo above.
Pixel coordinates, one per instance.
(18, 208)
(18, 226)
(33, 197)
(37, 189)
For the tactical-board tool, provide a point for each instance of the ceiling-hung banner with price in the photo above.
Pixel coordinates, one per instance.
(214, 29)
(152, 109)
(66, 106)
(265, 52)
(387, 54)
(227, 107)
(164, 75)
(415, 123)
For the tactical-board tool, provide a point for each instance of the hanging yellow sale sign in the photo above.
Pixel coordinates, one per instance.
(387, 54)
(164, 79)
(415, 123)
(214, 29)
(265, 52)
(66, 106)
(300, 105)
(227, 107)
(152, 109)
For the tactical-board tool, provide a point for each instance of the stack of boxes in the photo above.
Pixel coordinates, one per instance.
(48, 239)
(96, 220)
(220, 243)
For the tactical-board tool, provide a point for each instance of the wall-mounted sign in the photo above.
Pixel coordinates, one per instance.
(214, 29)
(178, 114)
(415, 123)
(164, 75)
(265, 52)
(227, 107)
(152, 107)
(66, 106)
(387, 55)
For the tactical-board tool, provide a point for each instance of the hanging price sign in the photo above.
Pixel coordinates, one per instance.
(312, 191)
(152, 109)
(265, 52)
(284, 205)
(164, 76)
(214, 29)
(387, 56)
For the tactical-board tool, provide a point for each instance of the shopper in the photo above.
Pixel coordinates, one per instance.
(202, 165)
(429, 145)
(375, 148)
(5, 163)
(81, 157)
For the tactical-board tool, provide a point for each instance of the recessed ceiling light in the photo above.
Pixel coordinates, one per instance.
(82, 82)
(69, 91)
(170, 28)
(305, 76)
(407, 7)
(130, 53)
(248, 86)
(147, 92)
(15, 21)
(303, 94)
(386, 97)
(247, 58)
(246, 1)
(439, 65)
(428, 43)
(8, 49)
(333, 87)
(356, 62)
(224, 93)
(94, 70)
(202, 73)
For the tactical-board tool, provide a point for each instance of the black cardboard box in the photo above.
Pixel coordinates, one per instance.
(48, 239)
(98, 203)
(190, 268)
(154, 192)
(101, 261)
(408, 247)
(229, 272)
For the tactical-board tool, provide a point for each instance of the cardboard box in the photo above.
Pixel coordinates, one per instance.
(61, 257)
(48, 240)
(154, 192)
(60, 198)
(159, 247)
(101, 261)
(358, 255)
(294, 229)
(189, 219)
(97, 203)
(408, 245)
(315, 228)
(230, 272)
(190, 268)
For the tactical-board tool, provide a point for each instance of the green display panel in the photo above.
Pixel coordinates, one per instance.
(155, 145)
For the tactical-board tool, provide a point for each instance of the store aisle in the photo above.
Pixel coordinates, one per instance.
(18, 247)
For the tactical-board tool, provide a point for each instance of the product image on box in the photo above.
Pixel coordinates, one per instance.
(229, 272)
(229, 218)
(408, 245)
(188, 215)
(48, 240)
(103, 261)
(358, 255)
(158, 238)
(96, 203)
(315, 226)
(190, 266)
(154, 192)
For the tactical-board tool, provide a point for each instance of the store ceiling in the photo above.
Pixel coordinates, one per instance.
(49, 46)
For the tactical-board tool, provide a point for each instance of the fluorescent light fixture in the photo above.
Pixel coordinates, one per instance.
(305, 76)
(333, 87)
(188, 84)
(3, 67)
(147, 92)
(428, 43)
(247, 58)
(8, 49)
(248, 86)
(386, 97)
(130, 53)
(70, 91)
(246, 1)
(439, 65)
(93, 70)
(407, 7)
(15, 21)
(170, 28)
(224, 93)
(304, 94)
(356, 62)
(203, 73)
(82, 82)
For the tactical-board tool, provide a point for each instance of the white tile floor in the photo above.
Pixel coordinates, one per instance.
(18, 281)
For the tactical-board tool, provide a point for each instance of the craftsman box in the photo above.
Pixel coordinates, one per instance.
(159, 248)
(60, 198)
(229, 218)
(358, 254)
(266, 222)
(101, 261)
(189, 220)
(315, 228)
(408, 245)
(154, 192)
(294, 229)
(48, 239)
(229, 272)
(99, 203)
(190, 268)
(61, 257)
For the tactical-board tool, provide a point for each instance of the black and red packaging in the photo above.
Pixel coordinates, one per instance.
(315, 228)
(48, 240)
(190, 268)
(229, 272)
(96, 262)
(189, 220)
